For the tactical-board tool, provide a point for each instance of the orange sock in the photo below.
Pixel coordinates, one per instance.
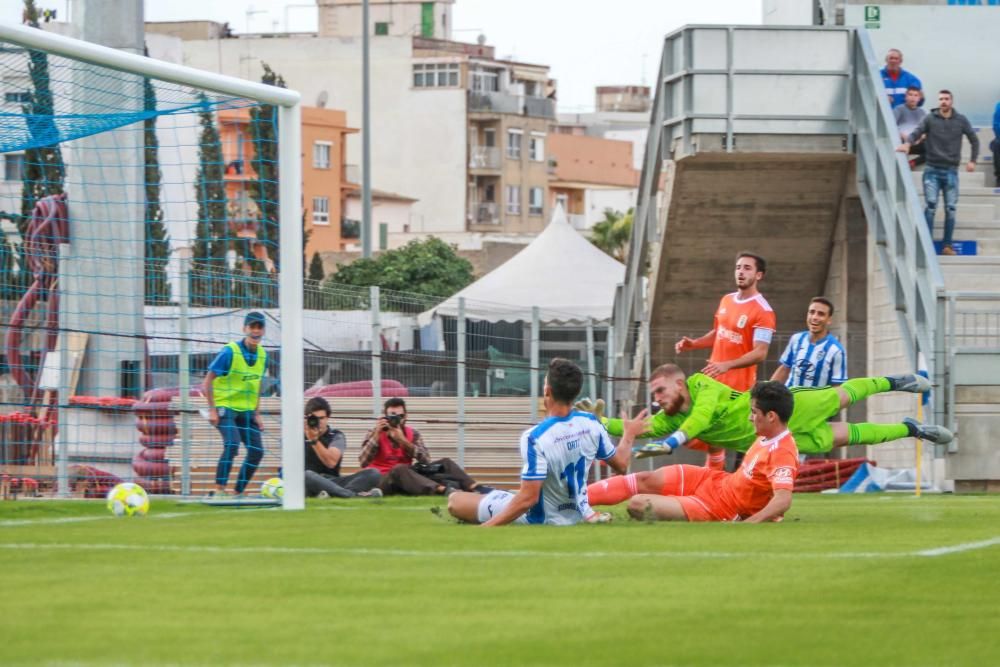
(716, 460)
(612, 491)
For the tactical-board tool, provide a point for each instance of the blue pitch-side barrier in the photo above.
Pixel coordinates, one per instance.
(960, 247)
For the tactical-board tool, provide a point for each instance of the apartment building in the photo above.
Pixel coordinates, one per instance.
(621, 113)
(461, 132)
(342, 18)
(590, 175)
(326, 178)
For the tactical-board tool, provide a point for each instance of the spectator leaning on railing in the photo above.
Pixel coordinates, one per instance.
(896, 79)
(908, 118)
(942, 131)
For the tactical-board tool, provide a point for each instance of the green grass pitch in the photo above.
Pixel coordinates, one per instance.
(845, 580)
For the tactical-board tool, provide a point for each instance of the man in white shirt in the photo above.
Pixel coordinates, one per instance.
(557, 456)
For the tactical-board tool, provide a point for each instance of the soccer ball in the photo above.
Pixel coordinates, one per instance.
(128, 499)
(273, 488)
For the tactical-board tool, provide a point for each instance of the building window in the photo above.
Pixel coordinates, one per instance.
(514, 144)
(13, 166)
(381, 28)
(514, 199)
(485, 80)
(17, 98)
(536, 148)
(435, 75)
(321, 210)
(321, 154)
(535, 205)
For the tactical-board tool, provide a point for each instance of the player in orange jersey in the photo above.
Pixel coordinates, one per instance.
(744, 326)
(761, 490)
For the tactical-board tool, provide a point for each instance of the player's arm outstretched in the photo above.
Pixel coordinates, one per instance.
(704, 400)
(685, 344)
(523, 500)
(656, 426)
(617, 458)
(778, 505)
(758, 354)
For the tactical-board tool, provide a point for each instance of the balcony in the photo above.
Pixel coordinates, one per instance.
(350, 229)
(352, 173)
(537, 107)
(484, 214)
(484, 157)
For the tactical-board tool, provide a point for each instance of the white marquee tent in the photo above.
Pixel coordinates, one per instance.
(561, 272)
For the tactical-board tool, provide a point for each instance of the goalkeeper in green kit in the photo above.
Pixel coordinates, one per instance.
(699, 407)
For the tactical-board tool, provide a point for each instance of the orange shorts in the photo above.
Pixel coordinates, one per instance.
(695, 489)
(696, 444)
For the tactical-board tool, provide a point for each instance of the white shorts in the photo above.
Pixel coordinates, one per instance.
(493, 503)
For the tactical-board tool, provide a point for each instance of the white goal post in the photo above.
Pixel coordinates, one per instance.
(290, 212)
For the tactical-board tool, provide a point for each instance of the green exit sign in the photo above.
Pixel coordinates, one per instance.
(873, 16)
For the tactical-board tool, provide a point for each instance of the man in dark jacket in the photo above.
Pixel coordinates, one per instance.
(942, 131)
(324, 450)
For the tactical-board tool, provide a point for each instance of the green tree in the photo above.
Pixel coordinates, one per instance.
(430, 267)
(157, 246)
(264, 190)
(313, 283)
(613, 234)
(44, 171)
(211, 279)
(316, 273)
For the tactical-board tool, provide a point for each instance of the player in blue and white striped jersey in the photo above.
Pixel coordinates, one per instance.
(814, 358)
(557, 456)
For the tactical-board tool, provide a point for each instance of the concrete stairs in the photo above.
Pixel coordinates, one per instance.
(781, 205)
(976, 409)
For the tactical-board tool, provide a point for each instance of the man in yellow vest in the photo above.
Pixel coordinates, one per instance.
(232, 387)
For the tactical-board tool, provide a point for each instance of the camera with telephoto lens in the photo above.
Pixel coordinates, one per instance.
(312, 421)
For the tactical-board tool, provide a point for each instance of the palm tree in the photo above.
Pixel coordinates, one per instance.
(614, 233)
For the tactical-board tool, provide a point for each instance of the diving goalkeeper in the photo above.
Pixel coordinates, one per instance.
(699, 407)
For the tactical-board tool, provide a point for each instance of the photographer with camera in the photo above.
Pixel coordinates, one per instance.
(398, 453)
(324, 450)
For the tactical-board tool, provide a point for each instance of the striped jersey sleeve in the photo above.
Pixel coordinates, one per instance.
(535, 466)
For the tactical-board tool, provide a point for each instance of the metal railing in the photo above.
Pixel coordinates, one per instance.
(536, 107)
(484, 157)
(967, 346)
(702, 95)
(727, 82)
(895, 216)
(485, 214)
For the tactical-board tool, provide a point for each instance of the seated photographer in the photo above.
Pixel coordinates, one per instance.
(324, 450)
(398, 453)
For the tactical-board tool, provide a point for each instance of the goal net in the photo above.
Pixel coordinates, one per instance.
(146, 210)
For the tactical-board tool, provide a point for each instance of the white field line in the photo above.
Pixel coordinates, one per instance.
(960, 548)
(175, 548)
(9, 523)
